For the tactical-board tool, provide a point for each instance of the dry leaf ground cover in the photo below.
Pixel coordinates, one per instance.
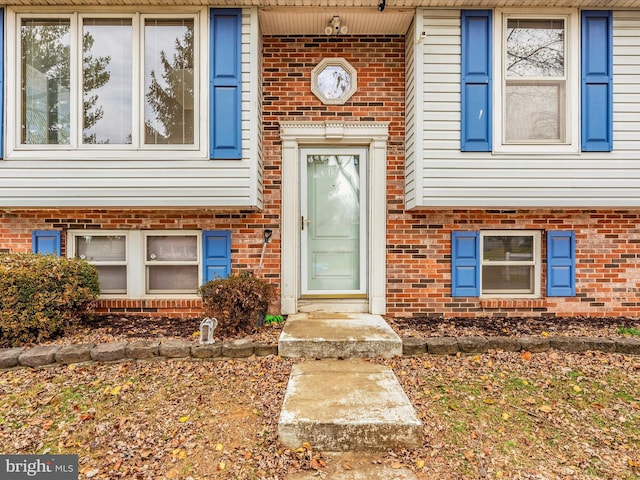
(500, 415)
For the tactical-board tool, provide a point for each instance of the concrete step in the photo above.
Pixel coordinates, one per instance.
(338, 335)
(347, 405)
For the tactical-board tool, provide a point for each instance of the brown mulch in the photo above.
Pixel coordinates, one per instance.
(512, 326)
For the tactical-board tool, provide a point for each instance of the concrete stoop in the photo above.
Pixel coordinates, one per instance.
(338, 335)
(347, 405)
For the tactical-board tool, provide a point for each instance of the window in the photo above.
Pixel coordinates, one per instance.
(109, 254)
(142, 263)
(535, 81)
(510, 263)
(507, 263)
(538, 82)
(171, 263)
(96, 82)
(552, 88)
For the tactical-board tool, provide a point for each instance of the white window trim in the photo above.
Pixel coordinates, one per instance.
(136, 260)
(15, 150)
(537, 262)
(572, 47)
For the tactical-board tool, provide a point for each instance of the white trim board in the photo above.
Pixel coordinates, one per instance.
(296, 135)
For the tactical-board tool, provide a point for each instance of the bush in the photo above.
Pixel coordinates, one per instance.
(43, 295)
(238, 302)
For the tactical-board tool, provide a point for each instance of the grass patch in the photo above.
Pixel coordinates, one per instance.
(635, 332)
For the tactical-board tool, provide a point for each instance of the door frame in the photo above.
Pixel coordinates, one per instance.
(363, 258)
(373, 137)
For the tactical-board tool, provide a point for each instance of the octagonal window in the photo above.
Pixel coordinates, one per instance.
(333, 81)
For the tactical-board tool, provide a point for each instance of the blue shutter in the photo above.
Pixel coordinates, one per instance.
(216, 255)
(597, 81)
(465, 264)
(1, 82)
(476, 81)
(46, 242)
(226, 84)
(561, 264)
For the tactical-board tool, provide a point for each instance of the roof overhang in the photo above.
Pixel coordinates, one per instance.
(362, 17)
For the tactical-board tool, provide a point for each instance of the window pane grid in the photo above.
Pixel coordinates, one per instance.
(509, 263)
(535, 77)
(109, 254)
(100, 100)
(45, 46)
(171, 263)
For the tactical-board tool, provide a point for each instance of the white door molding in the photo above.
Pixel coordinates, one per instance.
(294, 136)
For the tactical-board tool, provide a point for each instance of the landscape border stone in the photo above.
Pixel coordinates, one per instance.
(263, 349)
(442, 345)
(9, 357)
(567, 344)
(43, 355)
(600, 344)
(414, 345)
(109, 352)
(506, 344)
(239, 348)
(143, 349)
(39, 356)
(175, 348)
(210, 350)
(472, 344)
(629, 346)
(74, 353)
(534, 344)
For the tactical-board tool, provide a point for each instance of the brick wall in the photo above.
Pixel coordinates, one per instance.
(246, 235)
(607, 262)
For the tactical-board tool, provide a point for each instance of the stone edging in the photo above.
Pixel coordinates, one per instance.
(174, 348)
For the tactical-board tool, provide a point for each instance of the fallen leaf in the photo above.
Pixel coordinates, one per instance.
(505, 416)
(469, 455)
(346, 466)
(219, 446)
(545, 408)
(222, 466)
(317, 464)
(307, 446)
(526, 356)
(420, 463)
(183, 419)
(115, 390)
(396, 465)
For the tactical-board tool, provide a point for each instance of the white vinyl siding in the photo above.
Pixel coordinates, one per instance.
(452, 178)
(411, 141)
(251, 102)
(113, 180)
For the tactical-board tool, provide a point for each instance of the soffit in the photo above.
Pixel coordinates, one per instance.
(361, 17)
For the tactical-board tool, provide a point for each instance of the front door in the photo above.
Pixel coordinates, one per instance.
(333, 223)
